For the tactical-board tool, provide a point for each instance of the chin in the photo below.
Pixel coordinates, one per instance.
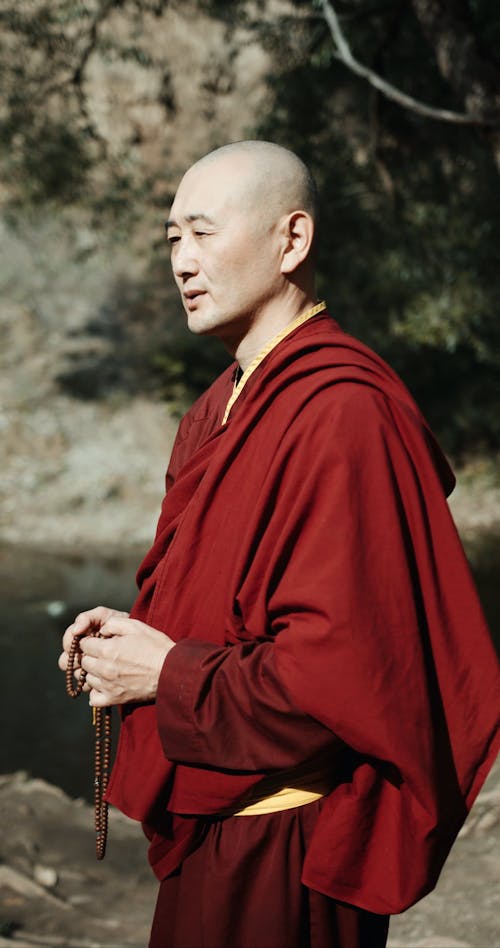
(202, 324)
(199, 327)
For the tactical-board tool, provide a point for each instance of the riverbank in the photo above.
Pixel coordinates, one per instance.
(83, 475)
(54, 893)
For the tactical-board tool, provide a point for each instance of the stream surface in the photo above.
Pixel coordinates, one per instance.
(44, 732)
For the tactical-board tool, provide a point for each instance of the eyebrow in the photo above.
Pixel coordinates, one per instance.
(189, 220)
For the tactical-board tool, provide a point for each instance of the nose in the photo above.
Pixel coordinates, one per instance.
(184, 260)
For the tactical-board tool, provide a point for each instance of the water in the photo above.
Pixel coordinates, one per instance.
(46, 733)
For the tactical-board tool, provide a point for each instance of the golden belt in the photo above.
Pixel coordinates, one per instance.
(270, 796)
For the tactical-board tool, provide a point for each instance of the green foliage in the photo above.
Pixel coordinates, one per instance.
(410, 224)
(186, 366)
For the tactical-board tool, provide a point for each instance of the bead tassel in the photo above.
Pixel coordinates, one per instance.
(101, 719)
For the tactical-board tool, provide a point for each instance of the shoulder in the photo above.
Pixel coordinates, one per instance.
(365, 428)
(350, 417)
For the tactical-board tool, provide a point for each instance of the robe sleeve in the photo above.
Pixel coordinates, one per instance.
(225, 707)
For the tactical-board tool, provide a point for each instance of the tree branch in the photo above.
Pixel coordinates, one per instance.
(93, 36)
(343, 53)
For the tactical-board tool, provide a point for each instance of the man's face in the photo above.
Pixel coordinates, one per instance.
(225, 249)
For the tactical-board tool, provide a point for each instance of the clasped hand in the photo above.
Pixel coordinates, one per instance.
(122, 666)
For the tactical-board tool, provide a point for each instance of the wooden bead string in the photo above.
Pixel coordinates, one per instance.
(101, 719)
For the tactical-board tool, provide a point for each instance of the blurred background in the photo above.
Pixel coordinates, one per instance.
(394, 104)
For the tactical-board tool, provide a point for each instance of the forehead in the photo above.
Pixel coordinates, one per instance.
(213, 188)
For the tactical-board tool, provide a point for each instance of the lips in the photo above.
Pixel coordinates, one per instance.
(191, 298)
(192, 294)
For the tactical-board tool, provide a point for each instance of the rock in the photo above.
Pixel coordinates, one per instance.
(18, 882)
(64, 890)
(45, 875)
(488, 820)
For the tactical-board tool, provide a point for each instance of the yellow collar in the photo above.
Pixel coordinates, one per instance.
(266, 350)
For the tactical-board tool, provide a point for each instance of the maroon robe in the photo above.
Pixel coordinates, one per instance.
(307, 565)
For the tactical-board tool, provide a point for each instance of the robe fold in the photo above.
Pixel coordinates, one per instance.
(308, 568)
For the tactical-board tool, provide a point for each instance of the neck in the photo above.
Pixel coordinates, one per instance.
(275, 316)
(241, 381)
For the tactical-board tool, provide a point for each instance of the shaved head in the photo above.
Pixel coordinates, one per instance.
(272, 178)
(241, 231)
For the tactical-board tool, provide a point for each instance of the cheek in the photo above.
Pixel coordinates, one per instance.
(239, 267)
(262, 272)
(228, 272)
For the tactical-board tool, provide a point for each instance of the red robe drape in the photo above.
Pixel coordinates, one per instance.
(307, 564)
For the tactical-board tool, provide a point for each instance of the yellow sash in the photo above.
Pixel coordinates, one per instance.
(266, 350)
(286, 799)
(309, 782)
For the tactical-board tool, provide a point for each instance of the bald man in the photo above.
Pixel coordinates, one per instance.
(297, 738)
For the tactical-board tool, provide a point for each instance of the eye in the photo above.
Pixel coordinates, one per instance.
(173, 239)
(201, 233)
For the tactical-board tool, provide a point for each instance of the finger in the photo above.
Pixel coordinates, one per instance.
(91, 665)
(80, 624)
(92, 646)
(90, 618)
(68, 638)
(94, 682)
(99, 699)
(117, 625)
(99, 672)
(70, 633)
(62, 662)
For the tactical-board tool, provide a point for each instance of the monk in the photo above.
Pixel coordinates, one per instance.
(309, 693)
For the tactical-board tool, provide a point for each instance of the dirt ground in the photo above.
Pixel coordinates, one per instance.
(54, 893)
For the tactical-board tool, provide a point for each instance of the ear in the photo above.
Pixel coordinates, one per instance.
(298, 234)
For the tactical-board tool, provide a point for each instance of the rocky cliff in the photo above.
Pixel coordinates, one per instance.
(86, 297)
